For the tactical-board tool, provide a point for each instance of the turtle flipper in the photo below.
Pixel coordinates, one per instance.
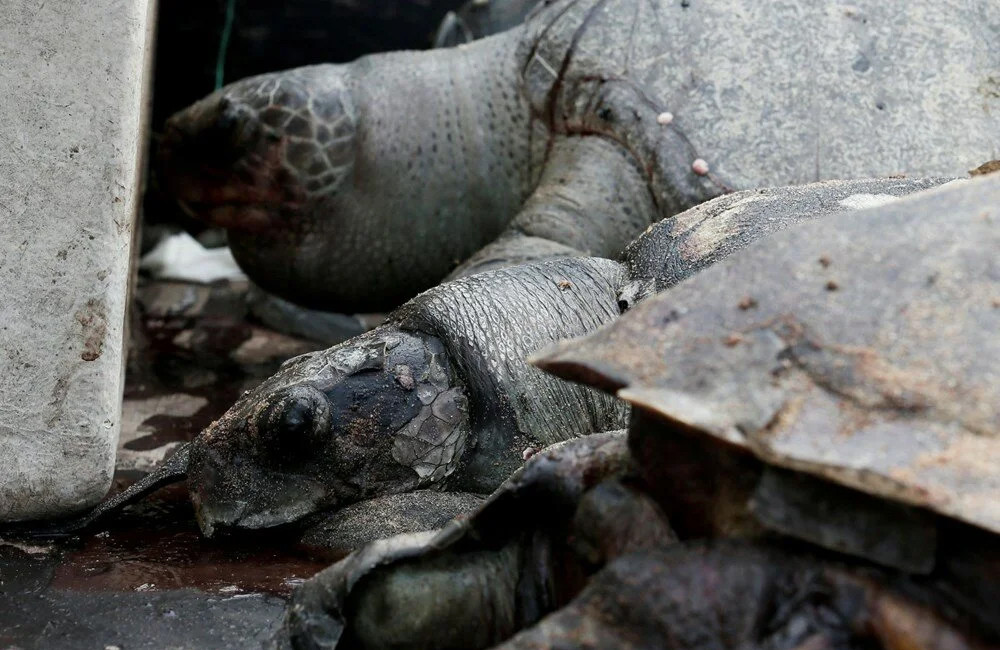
(591, 200)
(353, 526)
(480, 578)
(172, 470)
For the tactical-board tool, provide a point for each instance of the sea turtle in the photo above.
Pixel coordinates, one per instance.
(352, 187)
(440, 398)
(826, 453)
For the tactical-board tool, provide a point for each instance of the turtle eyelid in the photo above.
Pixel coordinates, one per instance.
(294, 361)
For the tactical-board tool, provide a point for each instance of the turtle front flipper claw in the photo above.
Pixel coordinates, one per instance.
(172, 470)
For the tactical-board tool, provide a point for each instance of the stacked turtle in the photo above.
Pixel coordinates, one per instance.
(570, 133)
(353, 187)
(812, 463)
(441, 397)
(564, 136)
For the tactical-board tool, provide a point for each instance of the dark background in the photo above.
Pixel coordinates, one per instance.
(272, 35)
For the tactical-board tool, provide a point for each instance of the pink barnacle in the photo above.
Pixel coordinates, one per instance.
(700, 167)
(665, 118)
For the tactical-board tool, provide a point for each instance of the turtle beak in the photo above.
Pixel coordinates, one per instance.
(213, 517)
(231, 493)
(221, 518)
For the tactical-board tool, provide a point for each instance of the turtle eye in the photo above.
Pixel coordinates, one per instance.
(296, 419)
(295, 424)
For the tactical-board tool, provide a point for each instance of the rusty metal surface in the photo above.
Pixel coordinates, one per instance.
(863, 348)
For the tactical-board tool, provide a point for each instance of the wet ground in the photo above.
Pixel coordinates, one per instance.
(145, 578)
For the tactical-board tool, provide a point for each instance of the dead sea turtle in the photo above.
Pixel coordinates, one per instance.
(352, 187)
(438, 399)
(827, 456)
(440, 396)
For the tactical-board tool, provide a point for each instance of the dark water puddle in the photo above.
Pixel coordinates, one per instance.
(156, 545)
(167, 428)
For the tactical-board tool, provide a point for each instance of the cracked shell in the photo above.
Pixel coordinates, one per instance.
(867, 355)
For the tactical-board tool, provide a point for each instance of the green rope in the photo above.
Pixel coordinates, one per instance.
(227, 30)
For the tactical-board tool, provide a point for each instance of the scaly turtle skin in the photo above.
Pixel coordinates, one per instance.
(353, 187)
(851, 405)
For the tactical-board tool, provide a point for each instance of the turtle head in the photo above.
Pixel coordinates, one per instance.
(258, 153)
(377, 415)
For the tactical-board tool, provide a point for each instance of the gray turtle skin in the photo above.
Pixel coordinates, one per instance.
(479, 18)
(352, 187)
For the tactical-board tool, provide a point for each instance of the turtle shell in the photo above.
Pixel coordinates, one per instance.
(677, 248)
(863, 348)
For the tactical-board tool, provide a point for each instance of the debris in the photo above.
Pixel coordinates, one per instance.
(182, 257)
